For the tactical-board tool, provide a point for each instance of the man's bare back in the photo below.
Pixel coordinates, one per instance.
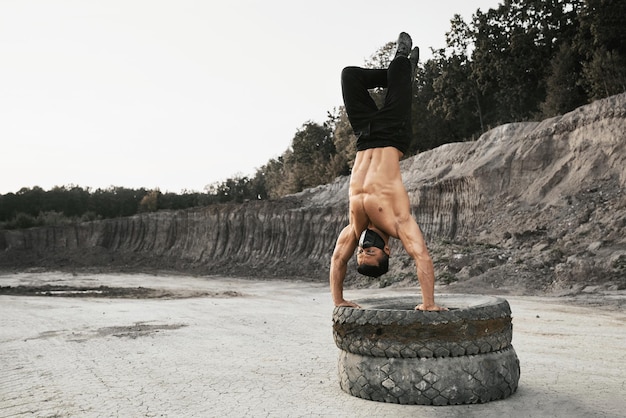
(377, 196)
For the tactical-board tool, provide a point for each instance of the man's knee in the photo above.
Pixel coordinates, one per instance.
(349, 72)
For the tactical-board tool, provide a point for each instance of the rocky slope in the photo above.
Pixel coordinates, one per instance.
(527, 208)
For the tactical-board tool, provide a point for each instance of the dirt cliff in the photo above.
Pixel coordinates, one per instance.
(528, 207)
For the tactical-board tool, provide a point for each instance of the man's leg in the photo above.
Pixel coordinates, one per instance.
(399, 80)
(360, 107)
(394, 118)
(397, 107)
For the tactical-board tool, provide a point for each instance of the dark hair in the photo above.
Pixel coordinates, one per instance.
(375, 271)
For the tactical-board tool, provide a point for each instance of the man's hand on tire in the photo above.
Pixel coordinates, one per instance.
(348, 304)
(422, 307)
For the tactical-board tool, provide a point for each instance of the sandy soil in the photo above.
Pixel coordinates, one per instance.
(163, 345)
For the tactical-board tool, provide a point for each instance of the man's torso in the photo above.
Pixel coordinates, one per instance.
(377, 196)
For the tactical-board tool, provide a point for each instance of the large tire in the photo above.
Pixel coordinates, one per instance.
(390, 327)
(430, 381)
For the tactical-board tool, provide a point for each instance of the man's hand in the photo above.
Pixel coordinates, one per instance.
(347, 304)
(422, 307)
(346, 244)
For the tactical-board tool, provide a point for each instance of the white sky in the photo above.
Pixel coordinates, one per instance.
(179, 94)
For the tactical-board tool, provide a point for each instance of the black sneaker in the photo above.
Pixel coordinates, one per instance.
(403, 45)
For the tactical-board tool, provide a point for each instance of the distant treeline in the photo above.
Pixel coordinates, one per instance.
(36, 207)
(526, 60)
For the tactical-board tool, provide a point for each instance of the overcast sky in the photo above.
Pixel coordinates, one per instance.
(179, 94)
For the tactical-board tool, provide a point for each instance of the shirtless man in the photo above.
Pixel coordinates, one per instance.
(379, 203)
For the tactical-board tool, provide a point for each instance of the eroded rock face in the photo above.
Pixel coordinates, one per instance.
(527, 207)
(257, 239)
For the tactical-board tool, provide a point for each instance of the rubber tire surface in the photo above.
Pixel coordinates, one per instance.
(434, 381)
(391, 327)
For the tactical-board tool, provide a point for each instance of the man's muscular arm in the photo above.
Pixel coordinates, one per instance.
(344, 249)
(414, 244)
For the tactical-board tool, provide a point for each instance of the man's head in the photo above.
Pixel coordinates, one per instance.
(372, 255)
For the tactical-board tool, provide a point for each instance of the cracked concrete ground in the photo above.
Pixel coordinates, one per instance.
(231, 348)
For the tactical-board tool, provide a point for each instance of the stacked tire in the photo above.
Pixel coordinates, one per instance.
(390, 352)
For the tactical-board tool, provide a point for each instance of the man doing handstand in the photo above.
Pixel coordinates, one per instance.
(379, 203)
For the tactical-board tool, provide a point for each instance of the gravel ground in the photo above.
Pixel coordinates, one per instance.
(202, 347)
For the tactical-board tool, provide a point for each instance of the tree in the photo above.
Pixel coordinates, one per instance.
(455, 97)
(564, 90)
(75, 202)
(514, 46)
(235, 189)
(382, 57)
(344, 141)
(306, 165)
(602, 40)
(605, 74)
(272, 175)
(150, 202)
(30, 201)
